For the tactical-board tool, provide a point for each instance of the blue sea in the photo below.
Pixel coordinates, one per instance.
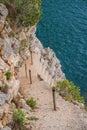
(63, 27)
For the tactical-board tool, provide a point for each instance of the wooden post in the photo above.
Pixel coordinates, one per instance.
(31, 58)
(54, 101)
(30, 77)
(26, 70)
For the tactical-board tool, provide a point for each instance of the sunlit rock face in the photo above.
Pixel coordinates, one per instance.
(8, 61)
(14, 50)
(3, 10)
(49, 66)
(6, 49)
(3, 15)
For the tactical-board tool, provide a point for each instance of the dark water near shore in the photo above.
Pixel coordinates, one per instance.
(64, 28)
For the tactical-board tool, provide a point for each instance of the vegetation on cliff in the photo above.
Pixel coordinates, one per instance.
(19, 120)
(31, 102)
(69, 91)
(23, 12)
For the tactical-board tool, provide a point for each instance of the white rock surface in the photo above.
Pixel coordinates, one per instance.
(6, 128)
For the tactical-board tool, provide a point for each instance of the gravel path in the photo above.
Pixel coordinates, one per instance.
(67, 117)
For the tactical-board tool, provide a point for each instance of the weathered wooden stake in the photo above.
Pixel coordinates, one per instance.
(26, 70)
(54, 101)
(30, 77)
(31, 58)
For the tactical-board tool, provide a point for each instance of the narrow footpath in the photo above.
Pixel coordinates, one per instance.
(67, 116)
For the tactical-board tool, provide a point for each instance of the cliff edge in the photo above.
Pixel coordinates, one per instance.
(15, 49)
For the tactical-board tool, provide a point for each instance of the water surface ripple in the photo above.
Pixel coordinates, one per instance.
(64, 28)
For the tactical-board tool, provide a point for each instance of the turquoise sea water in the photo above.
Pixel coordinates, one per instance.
(63, 27)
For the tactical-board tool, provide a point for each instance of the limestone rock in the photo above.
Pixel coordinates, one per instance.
(22, 104)
(31, 31)
(3, 10)
(35, 43)
(22, 35)
(13, 89)
(1, 126)
(14, 59)
(3, 98)
(6, 128)
(3, 65)
(1, 24)
(3, 15)
(50, 67)
(8, 29)
(11, 58)
(6, 49)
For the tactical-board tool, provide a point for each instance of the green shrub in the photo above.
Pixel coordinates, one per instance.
(8, 75)
(69, 91)
(9, 21)
(21, 50)
(19, 120)
(19, 116)
(31, 102)
(68, 98)
(23, 12)
(33, 118)
(23, 46)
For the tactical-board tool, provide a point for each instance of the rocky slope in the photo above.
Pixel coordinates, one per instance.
(67, 115)
(15, 48)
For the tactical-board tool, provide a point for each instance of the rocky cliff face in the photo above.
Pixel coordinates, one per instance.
(15, 48)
